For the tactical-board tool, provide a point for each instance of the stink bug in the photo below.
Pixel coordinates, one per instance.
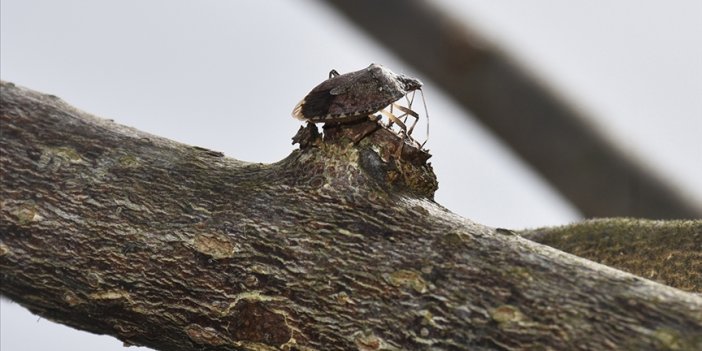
(359, 95)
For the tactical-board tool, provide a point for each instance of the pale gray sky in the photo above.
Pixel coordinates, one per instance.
(209, 72)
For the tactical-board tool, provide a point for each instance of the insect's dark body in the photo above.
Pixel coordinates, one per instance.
(354, 96)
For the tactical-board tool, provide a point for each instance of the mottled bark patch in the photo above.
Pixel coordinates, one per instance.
(4, 249)
(255, 322)
(26, 212)
(214, 245)
(111, 295)
(368, 341)
(72, 299)
(204, 335)
(408, 279)
(506, 314)
(383, 158)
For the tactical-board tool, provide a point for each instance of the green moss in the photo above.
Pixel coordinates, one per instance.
(409, 279)
(506, 314)
(520, 273)
(129, 161)
(67, 153)
(670, 339)
(665, 251)
(27, 213)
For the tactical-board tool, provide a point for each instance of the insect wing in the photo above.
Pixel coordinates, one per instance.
(349, 96)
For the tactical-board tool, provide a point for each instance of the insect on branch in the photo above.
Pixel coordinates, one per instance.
(360, 95)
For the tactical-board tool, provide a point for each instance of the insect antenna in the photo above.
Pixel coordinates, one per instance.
(410, 101)
(426, 113)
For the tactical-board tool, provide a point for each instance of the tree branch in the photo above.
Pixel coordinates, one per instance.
(338, 246)
(669, 252)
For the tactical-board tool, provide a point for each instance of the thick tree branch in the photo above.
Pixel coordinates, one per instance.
(666, 251)
(338, 246)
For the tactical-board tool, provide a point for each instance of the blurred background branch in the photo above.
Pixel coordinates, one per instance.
(592, 172)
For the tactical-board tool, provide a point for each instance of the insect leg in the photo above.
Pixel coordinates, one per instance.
(370, 128)
(392, 118)
(390, 122)
(408, 112)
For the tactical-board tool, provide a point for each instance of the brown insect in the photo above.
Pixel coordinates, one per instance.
(359, 95)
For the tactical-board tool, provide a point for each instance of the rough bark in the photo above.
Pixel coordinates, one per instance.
(338, 246)
(669, 252)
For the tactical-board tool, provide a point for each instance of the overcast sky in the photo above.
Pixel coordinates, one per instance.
(208, 73)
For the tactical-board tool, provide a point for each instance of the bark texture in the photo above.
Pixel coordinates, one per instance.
(669, 252)
(337, 247)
